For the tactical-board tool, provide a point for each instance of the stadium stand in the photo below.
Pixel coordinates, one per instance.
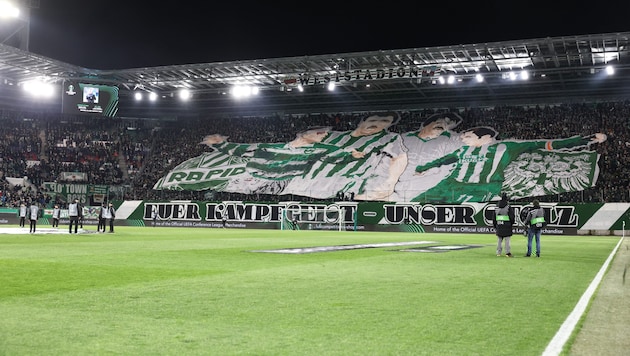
(61, 143)
(569, 93)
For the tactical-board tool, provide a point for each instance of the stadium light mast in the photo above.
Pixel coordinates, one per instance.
(15, 19)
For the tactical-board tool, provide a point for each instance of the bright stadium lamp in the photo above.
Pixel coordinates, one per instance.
(243, 91)
(524, 75)
(39, 89)
(153, 96)
(185, 94)
(15, 21)
(8, 10)
(137, 95)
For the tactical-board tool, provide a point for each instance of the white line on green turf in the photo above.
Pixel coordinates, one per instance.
(557, 343)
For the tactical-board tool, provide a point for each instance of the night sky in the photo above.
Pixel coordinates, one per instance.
(131, 34)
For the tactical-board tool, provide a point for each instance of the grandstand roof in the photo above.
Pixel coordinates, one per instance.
(568, 68)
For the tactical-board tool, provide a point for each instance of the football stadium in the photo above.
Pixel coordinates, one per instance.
(342, 204)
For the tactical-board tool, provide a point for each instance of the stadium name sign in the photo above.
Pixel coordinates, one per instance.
(373, 216)
(363, 74)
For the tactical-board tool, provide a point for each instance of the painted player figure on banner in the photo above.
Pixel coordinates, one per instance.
(269, 167)
(371, 176)
(478, 175)
(435, 139)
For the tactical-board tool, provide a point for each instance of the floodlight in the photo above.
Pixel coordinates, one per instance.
(8, 10)
(610, 70)
(38, 88)
(524, 75)
(138, 96)
(331, 86)
(479, 78)
(185, 94)
(243, 91)
(153, 96)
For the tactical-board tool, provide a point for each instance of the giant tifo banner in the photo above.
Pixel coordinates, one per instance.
(562, 219)
(435, 164)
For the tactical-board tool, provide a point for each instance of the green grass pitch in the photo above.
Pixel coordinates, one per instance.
(169, 291)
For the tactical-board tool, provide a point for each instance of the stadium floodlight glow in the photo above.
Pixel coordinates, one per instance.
(512, 76)
(137, 95)
(441, 80)
(39, 89)
(610, 70)
(243, 91)
(524, 75)
(450, 79)
(331, 86)
(153, 96)
(479, 78)
(185, 94)
(300, 88)
(8, 10)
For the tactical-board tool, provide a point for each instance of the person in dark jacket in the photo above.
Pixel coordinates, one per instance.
(502, 221)
(101, 218)
(33, 215)
(110, 214)
(535, 223)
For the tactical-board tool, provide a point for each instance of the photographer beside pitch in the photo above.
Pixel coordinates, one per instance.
(502, 221)
(536, 222)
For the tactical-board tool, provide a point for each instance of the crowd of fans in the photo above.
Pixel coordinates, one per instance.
(132, 155)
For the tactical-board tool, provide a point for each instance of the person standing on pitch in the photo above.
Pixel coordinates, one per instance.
(22, 214)
(33, 216)
(55, 216)
(502, 222)
(73, 215)
(101, 218)
(110, 215)
(535, 222)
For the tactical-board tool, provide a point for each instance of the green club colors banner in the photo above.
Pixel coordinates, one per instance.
(435, 164)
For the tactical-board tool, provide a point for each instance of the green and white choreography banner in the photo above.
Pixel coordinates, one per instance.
(435, 164)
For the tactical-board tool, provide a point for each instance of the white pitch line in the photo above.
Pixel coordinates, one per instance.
(40, 230)
(557, 343)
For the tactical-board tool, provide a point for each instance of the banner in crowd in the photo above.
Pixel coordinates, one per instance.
(73, 177)
(82, 192)
(562, 219)
(433, 164)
